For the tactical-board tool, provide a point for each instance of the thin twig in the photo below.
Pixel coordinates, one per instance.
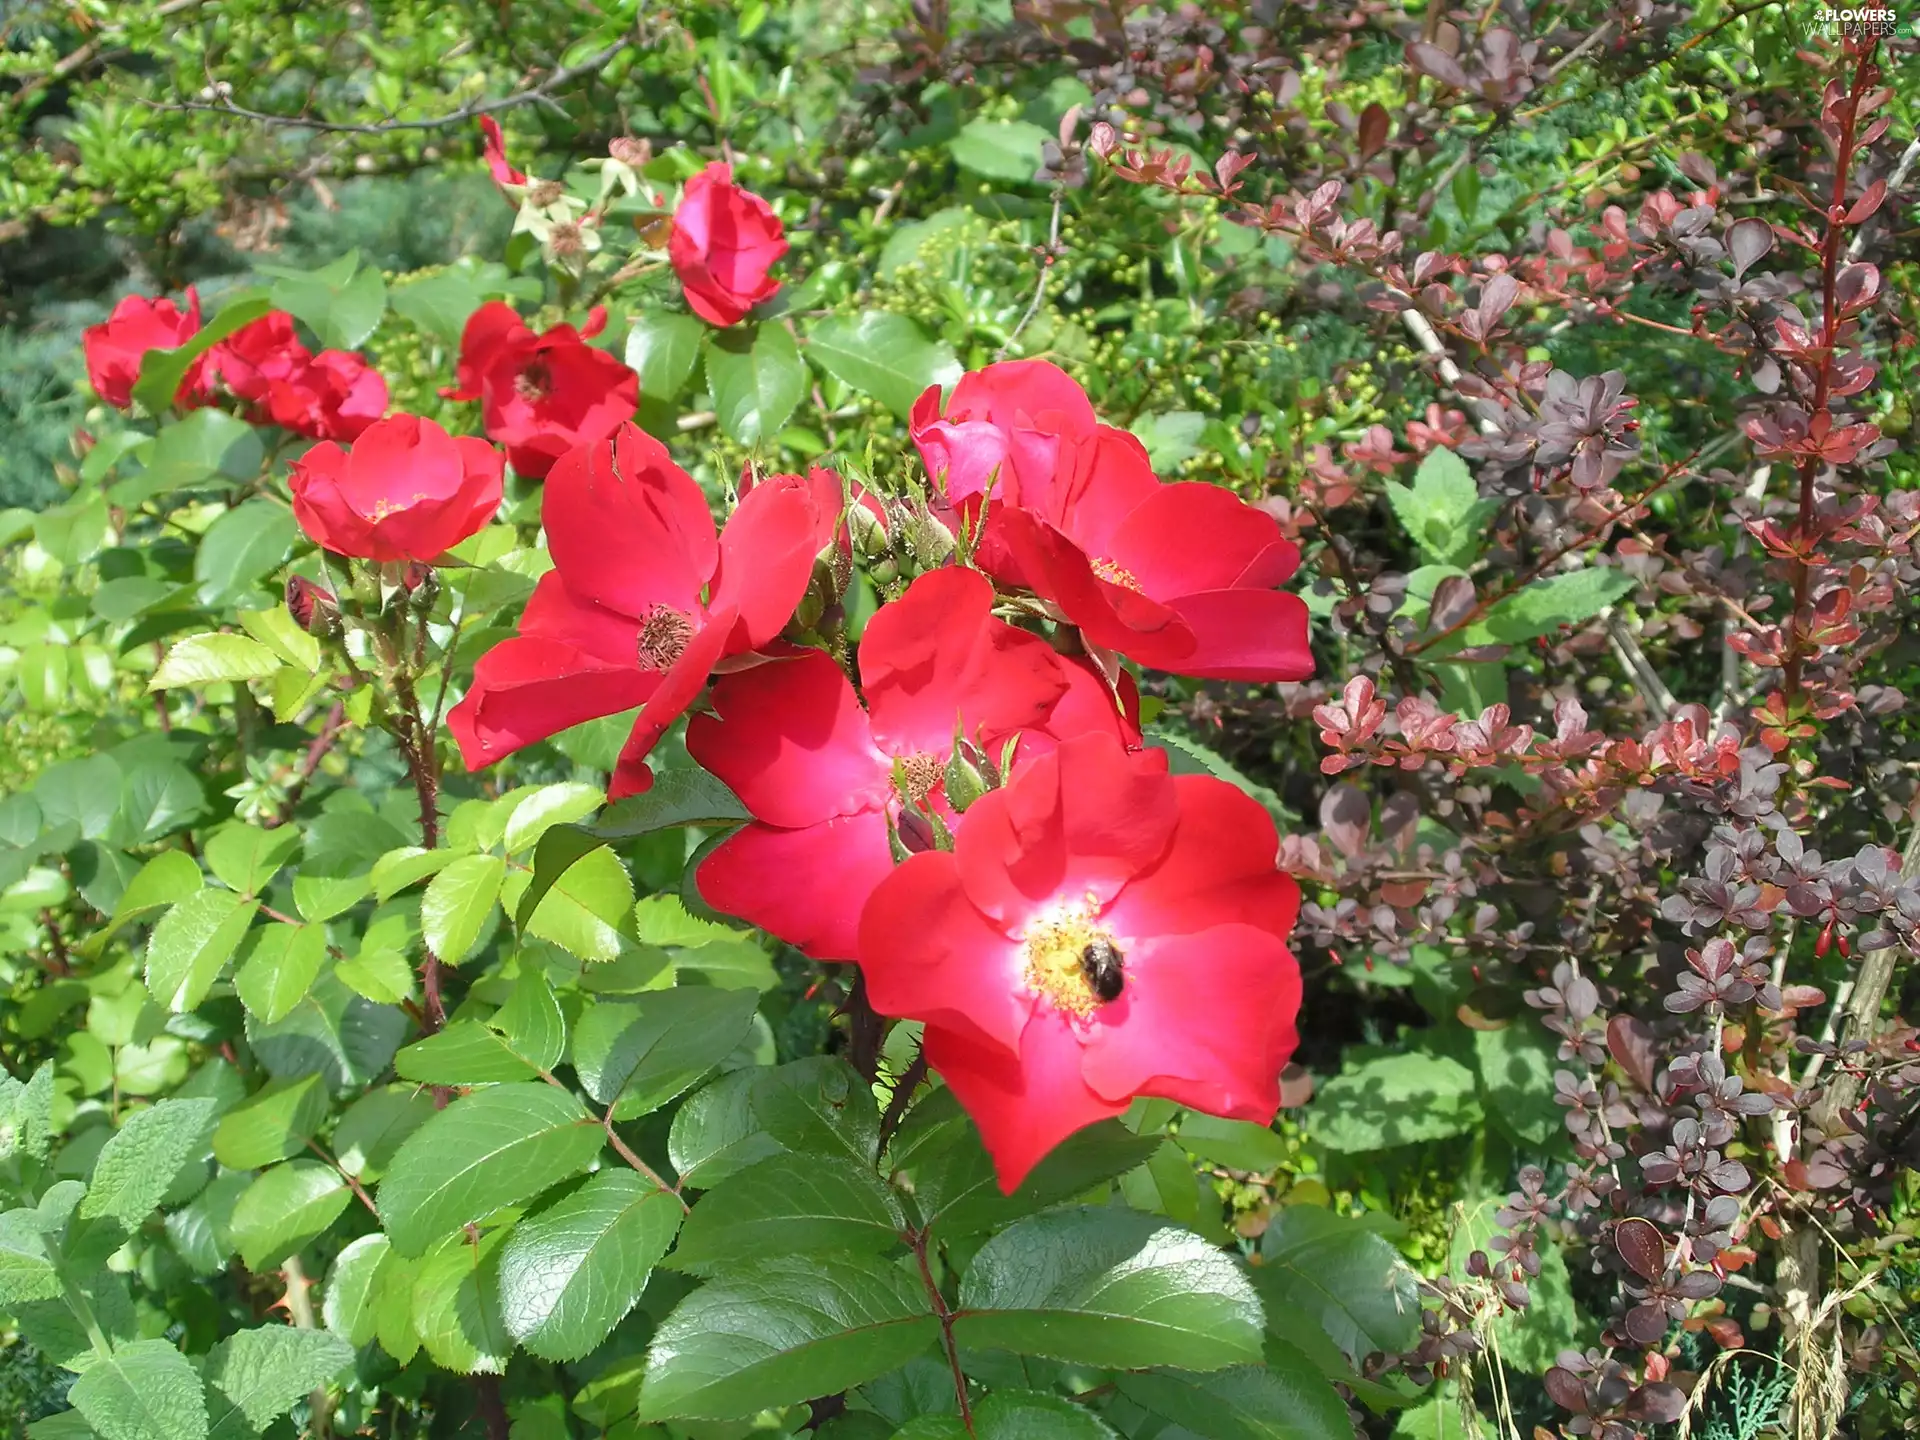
(625, 1152)
(1046, 269)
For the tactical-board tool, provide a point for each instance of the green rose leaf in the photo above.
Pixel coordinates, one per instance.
(570, 1273)
(1111, 1288)
(883, 355)
(757, 378)
(787, 1330)
(287, 1208)
(495, 1147)
(787, 1205)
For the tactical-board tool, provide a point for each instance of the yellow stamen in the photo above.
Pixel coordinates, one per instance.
(1115, 574)
(1053, 949)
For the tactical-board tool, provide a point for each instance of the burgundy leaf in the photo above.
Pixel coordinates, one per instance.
(1748, 241)
(1346, 815)
(1566, 1390)
(1868, 202)
(1630, 1041)
(1375, 125)
(1432, 60)
(1642, 1246)
(1452, 602)
(1658, 1404)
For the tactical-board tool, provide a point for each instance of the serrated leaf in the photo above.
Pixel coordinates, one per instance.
(243, 546)
(1341, 1278)
(191, 945)
(1110, 1288)
(245, 857)
(546, 807)
(716, 1134)
(662, 349)
(678, 797)
(457, 904)
(492, 1148)
(1246, 1402)
(1236, 1144)
(757, 378)
(375, 1126)
(258, 1375)
(143, 1391)
(1517, 1064)
(286, 1208)
(321, 896)
(1544, 606)
(1440, 510)
(410, 864)
(27, 1271)
(884, 355)
(790, 1329)
(569, 1274)
(281, 966)
(276, 629)
(347, 1305)
(202, 1230)
(341, 302)
(271, 1125)
(207, 659)
(644, 1052)
(1395, 1100)
(139, 1161)
(788, 1205)
(456, 1305)
(166, 879)
(377, 973)
(531, 1021)
(160, 797)
(465, 1053)
(332, 1032)
(583, 910)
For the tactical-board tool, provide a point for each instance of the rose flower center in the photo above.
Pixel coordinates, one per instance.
(1070, 961)
(1115, 574)
(664, 634)
(533, 383)
(917, 776)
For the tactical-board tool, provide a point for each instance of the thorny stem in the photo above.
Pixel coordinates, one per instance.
(1863, 76)
(918, 1239)
(316, 752)
(902, 1096)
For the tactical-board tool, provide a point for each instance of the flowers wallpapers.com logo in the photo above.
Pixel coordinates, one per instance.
(1864, 21)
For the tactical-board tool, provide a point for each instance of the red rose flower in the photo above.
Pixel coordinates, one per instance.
(406, 491)
(724, 240)
(643, 601)
(115, 348)
(1177, 577)
(825, 779)
(542, 395)
(330, 396)
(1101, 930)
(1007, 424)
(334, 395)
(494, 144)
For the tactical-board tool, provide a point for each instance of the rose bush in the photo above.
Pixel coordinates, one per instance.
(931, 721)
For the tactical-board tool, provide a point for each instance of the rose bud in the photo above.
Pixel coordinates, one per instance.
(723, 243)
